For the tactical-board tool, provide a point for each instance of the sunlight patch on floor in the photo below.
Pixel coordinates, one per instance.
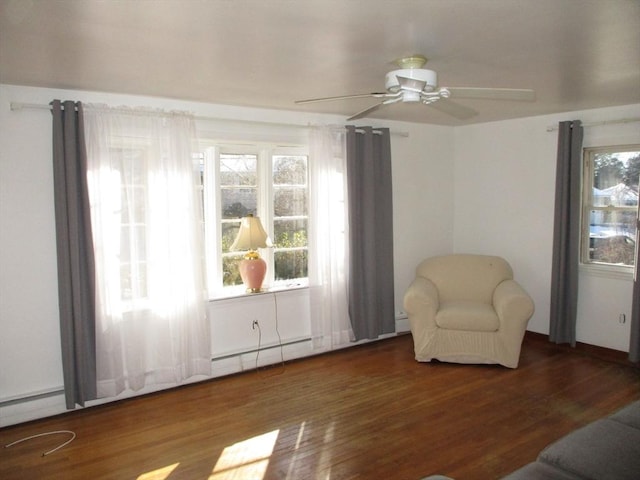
(326, 455)
(246, 459)
(159, 474)
(294, 458)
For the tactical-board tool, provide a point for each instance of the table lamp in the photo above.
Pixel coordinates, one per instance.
(252, 236)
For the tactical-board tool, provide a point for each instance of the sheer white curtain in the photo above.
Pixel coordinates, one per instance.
(328, 238)
(151, 325)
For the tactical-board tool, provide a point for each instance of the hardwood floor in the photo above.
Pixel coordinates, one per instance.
(368, 412)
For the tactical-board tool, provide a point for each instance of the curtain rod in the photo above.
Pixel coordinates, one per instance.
(597, 124)
(37, 106)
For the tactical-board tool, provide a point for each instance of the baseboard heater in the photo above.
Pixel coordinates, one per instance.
(261, 349)
(30, 397)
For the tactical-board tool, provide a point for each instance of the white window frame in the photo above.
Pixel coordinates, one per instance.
(264, 210)
(587, 265)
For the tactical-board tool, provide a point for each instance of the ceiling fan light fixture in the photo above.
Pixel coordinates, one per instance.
(414, 61)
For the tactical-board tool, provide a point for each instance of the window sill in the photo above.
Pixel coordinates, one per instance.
(238, 293)
(607, 271)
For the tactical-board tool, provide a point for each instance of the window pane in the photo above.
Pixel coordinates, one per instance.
(290, 264)
(133, 164)
(238, 170)
(619, 195)
(133, 243)
(133, 281)
(612, 237)
(290, 233)
(229, 234)
(133, 204)
(230, 272)
(289, 201)
(615, 178)
(238, 202)
(238, 183)
(289, 170)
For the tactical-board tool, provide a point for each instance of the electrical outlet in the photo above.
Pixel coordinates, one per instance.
(255, 325)
(622, 318)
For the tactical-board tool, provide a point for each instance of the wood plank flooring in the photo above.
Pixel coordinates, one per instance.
(368, 412)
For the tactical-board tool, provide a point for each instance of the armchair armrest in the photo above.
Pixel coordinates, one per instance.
(513, 305)
(421, 295)
(421, 304)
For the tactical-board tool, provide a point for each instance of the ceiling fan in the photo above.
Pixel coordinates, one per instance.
(412, 84)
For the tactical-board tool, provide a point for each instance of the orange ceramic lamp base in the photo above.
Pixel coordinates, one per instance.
(252, 270)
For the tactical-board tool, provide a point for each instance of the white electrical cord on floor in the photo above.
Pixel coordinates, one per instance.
(275, 305)
(256, 324)
(73, 436)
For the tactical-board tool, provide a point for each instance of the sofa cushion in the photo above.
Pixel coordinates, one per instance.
(467, 316)
(540, 471)
(629, 415)
(603, 450)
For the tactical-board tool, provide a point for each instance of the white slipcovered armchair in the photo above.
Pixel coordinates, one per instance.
(465, 308)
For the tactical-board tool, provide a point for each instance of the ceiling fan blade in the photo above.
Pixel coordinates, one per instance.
(517, 94)
(341, 97)
(394, 98)
(454, 109)
(366, 111)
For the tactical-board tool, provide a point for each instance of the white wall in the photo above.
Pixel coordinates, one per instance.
(422, 193)
(504, 195)
(30, 361)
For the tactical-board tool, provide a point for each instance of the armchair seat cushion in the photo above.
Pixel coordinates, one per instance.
(467, 315)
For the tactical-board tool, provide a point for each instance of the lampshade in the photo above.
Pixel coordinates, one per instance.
(251, 235)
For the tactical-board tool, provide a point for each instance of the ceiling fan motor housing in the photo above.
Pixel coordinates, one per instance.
(420, 74)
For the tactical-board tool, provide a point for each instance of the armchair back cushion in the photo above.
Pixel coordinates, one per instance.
(465, 277)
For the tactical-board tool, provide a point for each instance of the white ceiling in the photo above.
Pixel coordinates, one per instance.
(576, 54)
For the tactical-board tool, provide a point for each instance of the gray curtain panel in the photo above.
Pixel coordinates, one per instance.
(371, 285)
(566, 235)
(76, 270)
(634, 345)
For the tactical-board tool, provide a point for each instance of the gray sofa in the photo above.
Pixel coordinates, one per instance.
(607, 449)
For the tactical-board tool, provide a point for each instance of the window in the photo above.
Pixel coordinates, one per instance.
(610, 205)
(270, 182)
(133, 181)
